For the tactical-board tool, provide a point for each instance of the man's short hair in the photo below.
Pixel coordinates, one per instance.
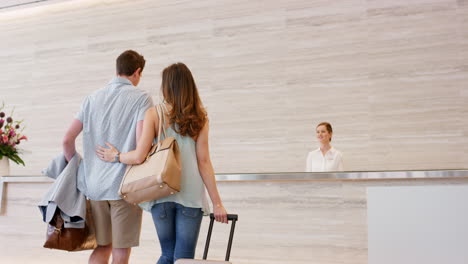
(128, 62)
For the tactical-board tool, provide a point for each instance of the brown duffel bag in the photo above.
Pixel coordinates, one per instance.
(71, 239)
(159, 175)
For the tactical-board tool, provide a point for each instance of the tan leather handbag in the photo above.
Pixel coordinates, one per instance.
(159, 175)
(71, 239)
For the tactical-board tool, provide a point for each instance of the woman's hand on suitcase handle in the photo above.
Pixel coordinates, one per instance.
(220, 213)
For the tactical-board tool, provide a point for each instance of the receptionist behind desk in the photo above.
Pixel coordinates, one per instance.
(326, 157)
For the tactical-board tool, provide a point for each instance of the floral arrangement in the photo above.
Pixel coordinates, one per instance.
(10, 137)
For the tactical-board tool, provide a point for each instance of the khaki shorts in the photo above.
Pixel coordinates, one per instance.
(117, 222)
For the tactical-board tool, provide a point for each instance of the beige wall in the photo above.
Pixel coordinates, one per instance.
(391, 76)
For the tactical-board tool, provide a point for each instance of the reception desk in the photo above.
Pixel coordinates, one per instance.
(284, 218)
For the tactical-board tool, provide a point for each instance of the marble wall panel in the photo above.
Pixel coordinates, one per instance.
(279, 222)
(462, 16)
(418, 113)
(389, 75)
(9, 5)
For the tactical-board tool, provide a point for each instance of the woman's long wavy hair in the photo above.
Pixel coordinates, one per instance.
(180, 92)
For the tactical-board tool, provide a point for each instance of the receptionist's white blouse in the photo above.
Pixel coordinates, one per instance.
(332, 161)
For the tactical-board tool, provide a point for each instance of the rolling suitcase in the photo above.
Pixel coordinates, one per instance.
(231, 217)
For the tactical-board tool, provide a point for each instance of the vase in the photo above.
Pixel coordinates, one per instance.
(4, 166)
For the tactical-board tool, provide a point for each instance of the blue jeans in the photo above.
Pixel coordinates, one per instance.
(178, 228)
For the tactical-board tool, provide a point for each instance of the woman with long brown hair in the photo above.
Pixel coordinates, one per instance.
(178, 217)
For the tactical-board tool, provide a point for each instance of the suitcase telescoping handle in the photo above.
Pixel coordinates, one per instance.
(230, 217)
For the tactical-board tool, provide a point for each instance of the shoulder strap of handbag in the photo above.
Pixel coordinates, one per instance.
(162, 123)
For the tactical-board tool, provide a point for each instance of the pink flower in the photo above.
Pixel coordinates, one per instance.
(12, 133)
(23, 137)
(5, 139)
